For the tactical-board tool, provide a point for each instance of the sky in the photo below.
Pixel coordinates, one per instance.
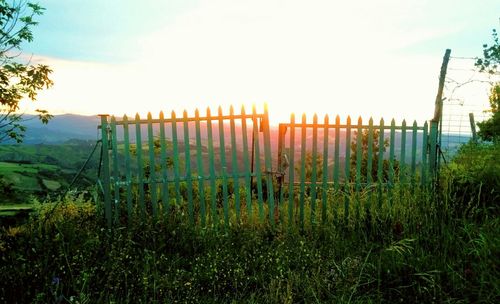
(369, 58)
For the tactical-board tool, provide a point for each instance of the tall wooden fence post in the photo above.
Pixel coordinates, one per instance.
(105, 168)
(435, 131)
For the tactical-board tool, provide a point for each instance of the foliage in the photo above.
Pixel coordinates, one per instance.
(18, 80)
(489, 130)
(472, 180)
(377, 151)
(424, 256)
(491, 56)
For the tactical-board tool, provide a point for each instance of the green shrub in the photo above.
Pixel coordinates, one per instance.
(473, 179)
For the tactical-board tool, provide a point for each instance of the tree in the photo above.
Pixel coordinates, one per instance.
(489, 130)
(18, 78)
(378, 150)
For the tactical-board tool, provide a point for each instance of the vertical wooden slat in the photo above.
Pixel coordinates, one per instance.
(425, 145)
(359, 162)
(164, 166)
(175, 156)
(359, 155)
(140, 164)
(380, 165)
(413, 153)
(291, 171)
(314, 168)
(201, 174)
(128, 170)
(248, 187)
(105, 169)
(336, 164)
(302, 170)
(116, 174)
(234, 163)
(152, 167)
(223, 162)
(369, 163)
(391, 161)
(268, 164)
(187, 159)
(213, 190)
(402, 161)
(325, 169)
(258, 174)
(433, 143)
(347, 168)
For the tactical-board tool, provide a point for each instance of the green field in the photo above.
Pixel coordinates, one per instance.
(41, 170)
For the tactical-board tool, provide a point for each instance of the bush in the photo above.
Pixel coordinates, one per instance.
(473, 179)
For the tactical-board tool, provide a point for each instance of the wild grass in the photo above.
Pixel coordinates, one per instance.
(422, 248)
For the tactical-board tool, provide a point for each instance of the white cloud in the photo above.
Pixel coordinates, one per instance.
(301, 56)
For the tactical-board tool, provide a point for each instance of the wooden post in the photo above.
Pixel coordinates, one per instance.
(105, 168)
(438, 113)
(473, 127)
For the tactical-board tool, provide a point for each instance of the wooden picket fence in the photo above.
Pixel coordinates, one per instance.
(216, 167)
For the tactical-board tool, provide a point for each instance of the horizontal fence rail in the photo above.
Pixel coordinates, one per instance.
(217, 168)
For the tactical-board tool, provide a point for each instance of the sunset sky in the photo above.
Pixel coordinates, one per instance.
(379, 58)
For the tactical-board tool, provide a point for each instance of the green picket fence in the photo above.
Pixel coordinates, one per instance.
(198, 162)
(218, 168)
(320, 160)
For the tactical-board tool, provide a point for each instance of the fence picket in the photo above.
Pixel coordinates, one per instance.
(222, 151)
(325, 169)
(347, 189)
(140, 165)
(302, 170)
(187, 160)
(413, 154)
(359, 161)
(390, 185)
(106, 175)
(175, 156)
(425, 148)
(213, 190)
(380, 165)
(248, 180)
(164, 166)
(269, 168)
(369, 162)
(128, 171)
(234, 164)
(201, 173)
(314, 169)
(152, 167)
(402, 162)
(116, 174)
(291, 170)
(256, 159)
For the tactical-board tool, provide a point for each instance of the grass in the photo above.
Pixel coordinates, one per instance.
(423, 254)
(418, 246)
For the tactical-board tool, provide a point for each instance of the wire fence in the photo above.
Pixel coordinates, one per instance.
(466, 91)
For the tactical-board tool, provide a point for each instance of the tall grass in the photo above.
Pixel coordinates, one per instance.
(416, 251)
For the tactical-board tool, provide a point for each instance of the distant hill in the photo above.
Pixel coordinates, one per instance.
(60, 129)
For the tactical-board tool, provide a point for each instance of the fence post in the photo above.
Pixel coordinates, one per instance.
(433, 148)
(473, 127)
(435, 132)
(105, 167)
